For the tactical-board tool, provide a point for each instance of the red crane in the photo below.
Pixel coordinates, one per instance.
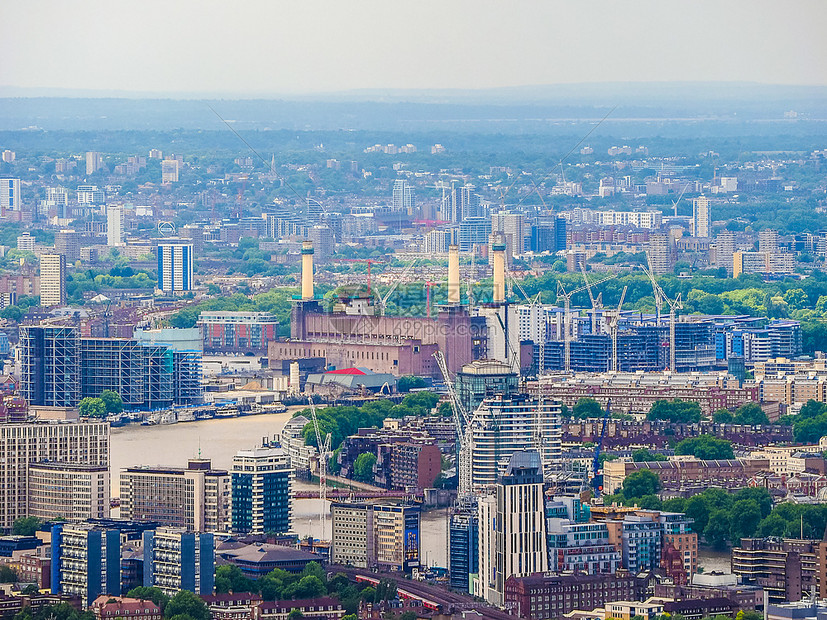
(369, 261)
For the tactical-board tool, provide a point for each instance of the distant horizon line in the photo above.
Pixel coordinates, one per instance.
(531, 91)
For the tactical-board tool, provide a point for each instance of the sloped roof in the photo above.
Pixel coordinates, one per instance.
(349, 371)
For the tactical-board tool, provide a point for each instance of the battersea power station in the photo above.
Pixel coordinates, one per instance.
(354, 333)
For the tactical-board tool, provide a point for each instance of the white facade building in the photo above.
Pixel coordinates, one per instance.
(502, 426)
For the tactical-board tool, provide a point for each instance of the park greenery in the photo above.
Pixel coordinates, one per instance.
(312, 582)
(748, 413)
(26, 526)
(363, 467)
(343, 421)
(676, 410)
(705, 447)
(810, 424)
(108, 402)
(721, 517)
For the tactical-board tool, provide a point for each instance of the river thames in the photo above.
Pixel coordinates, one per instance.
(219, 439)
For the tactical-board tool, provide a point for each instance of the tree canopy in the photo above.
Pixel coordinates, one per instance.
(92, 408)
(705, 447)
(677, 410)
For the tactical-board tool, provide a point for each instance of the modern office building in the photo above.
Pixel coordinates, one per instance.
(238, 332)
(515, 231)
(438, 241)
(169, 170)
(50, 366)
(483, 379)
(725, 247)
(378, 535)
(549, 235)
(701, 223)
(660, 253)
(641, 541)
(26, 242)
(403, 196)
(185, 346)
(67, 242)
(68, 443)
(474, 232)
(10, 195)
(71, 491)
(59, 368)
(175, 266)
(261, 481)
(90, 195)
(581, 547)
(787, 568)
(114, 226)
(52, 280)
(176, 559)
(94, 162)
(502, 426)
(463, 547)
(196, 498)
(86, 560)
(517, 544)
(292, 440)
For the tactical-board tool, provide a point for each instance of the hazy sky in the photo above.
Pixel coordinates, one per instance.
(258, 46)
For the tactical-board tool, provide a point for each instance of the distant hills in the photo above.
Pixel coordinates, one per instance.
(527, 108)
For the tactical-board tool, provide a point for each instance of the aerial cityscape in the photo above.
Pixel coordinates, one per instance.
(361, 313)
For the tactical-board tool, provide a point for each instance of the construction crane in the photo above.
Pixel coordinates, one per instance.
(597, 302)
(675, 203)
(463, 427)
(369, 261)
(597, 480)
(405, 272)
(324, 454)
(613, 318)
(674, 306)
(561, 292)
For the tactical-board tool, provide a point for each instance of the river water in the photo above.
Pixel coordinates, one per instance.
(219, 439)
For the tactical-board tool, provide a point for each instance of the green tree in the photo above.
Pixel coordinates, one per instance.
(407, 382)
(643, 455)
(745, 517)
(26, 526)
(7, 574)
(587, 408)
(188, 604)
(295, 614)
(229, 578)
(750, 413)
(722, 416)
(363, 467)
(112, 401)
(150, 593)
(706, 447)
(92, 408)
(717, 530)
(640, 483)
(677, 410)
